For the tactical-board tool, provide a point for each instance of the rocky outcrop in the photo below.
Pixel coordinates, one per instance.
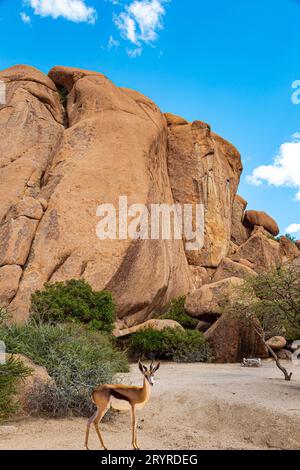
(260, 250)
(232, 339)
(261, 219)
(199, 276)
(228, 268)
(53, 179)
(207, 302)
(72, 141)
(298, 244)
(211, 174)
(9, 282)
(277, 343)
(154, 324)
(173, 120)
(239, 233)
(288, 251)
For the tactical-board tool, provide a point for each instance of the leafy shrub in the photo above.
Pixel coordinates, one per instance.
(74, 301)
(11, 375)
(63, 95)
(77, 360)
(177, 313)
(175, 344)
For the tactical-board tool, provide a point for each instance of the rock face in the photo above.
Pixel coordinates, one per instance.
(239, 233)
(72, 141)
(115, 144)
(228, 268)
(288, 250)
(206, 303)
(212, 169)
(232, 339)
(9, 282)
(260, 250)
(261, 219)
(298, 244)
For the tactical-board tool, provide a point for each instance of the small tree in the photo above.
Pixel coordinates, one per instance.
(273, 306)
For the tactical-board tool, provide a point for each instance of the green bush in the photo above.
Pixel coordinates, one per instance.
(11, 375)
(177, 313)
(74, 301)
(63, 95)
(76, 358)
(174, 344)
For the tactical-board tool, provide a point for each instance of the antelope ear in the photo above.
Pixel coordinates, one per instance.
(156, 367)
(142, 368)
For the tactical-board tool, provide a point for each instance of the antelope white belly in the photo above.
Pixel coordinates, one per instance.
(140, 406)
(120, 405)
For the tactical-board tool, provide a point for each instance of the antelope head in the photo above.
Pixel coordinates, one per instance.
(149, 374)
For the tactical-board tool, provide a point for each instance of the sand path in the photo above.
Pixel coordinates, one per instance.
(193, 406)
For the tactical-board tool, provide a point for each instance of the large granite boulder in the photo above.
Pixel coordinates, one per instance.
(277, 343)
(58, 165)
(9, 282)
(288, 250)
(260, 250)
(261, 219)
(206, 303)
(154, 324)
(72, 141)
(239, 233)
(205, 169)
(233, 338)
(228, 268)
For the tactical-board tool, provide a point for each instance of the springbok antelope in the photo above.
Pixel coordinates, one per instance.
(122, 398)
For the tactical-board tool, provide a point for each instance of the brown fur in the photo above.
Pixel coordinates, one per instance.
(134, 396)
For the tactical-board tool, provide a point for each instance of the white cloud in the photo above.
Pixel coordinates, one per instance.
(25, 18)
(72, 10)
(285, 170)
(133, 53)
(140, 22)
(127, 26)
(113, 43)
(293, 229)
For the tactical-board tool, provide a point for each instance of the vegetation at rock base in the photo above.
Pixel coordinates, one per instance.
(171, 344)
(177, 313)
(63, 95)
(11, 376)
(74, 301)
(77, 359)
(273, 306)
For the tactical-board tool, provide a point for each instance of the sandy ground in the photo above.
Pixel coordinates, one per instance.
(193, 406)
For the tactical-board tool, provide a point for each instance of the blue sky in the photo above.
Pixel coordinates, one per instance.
(231, 63)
